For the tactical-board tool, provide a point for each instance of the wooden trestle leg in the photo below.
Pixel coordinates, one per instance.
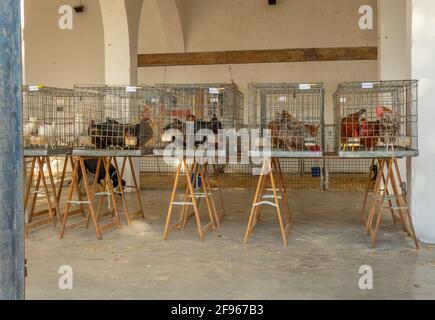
(52, 201)
(120, 191)
(191, 199)
(386, 190)
(90, 193)
(270, 170)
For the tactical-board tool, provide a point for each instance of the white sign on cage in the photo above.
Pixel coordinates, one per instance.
(367, 85)
(305, 86)
(131, 89)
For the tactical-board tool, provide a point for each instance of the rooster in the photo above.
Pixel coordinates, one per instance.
(389, 125)
(351, 126)
(214, 125)
(290, 133)
(370, 133)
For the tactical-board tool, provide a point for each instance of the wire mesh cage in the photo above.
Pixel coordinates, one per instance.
(48, 120)
(377, 119)
(203, 106)
(330, 140)
(346, 174)
(114, 120)
(299, 174)
(293, 113)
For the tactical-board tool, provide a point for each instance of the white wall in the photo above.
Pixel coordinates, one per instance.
(245, 25)
(151, 34)
(423, 168)
(394, 48)
(207, 25)
(63, 58)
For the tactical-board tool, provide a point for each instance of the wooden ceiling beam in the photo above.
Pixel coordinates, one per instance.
(258, 56)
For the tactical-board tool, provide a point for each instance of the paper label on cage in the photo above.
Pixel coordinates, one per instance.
(367, 85)
(304, 86)
(310, 142)
(33, 88)
(131, 89)
(213, 90)
(343, 100)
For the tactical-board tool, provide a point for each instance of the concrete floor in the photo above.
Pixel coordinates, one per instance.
(326, 248)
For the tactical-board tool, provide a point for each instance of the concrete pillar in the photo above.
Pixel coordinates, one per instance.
(121, 29)
(394, 46)
(394, 57)
(11, 154)
(423, 69)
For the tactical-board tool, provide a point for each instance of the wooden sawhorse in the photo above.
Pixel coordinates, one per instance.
(270, 173)
(218, 188)
(191, 199)
(52, 204)
(68, 159)
(382, 193)
(120, 190)
(91, 194)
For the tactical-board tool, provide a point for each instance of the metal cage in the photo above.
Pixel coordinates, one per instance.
(377, 119)
(346, 174)
(299, 174)
(294, 115)
(48, 121)
(114, 120)
(207, 106)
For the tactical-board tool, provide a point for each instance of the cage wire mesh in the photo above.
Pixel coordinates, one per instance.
(114, 120)
(206, 106)
(299, 174)
(330, 173)
(48, 120)
(346, 174)
(342, 174)
(377, 119)
(330, 140)
(293, 113)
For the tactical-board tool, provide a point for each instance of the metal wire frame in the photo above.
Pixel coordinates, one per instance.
(300, 174)
(293, 112)
(330, 140)
(48, 120)
(346, 174)
(208, 106)
(342, 174)
(330, 173)
(377, 119)
(114, 120)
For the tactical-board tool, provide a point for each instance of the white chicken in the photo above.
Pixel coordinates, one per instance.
(66, 131)
(46, 133)
(31, 128)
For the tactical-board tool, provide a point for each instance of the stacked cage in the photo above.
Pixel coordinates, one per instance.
(377, 119)
(114, 120)
(48, 125)
(204, 106)
(294, 115)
